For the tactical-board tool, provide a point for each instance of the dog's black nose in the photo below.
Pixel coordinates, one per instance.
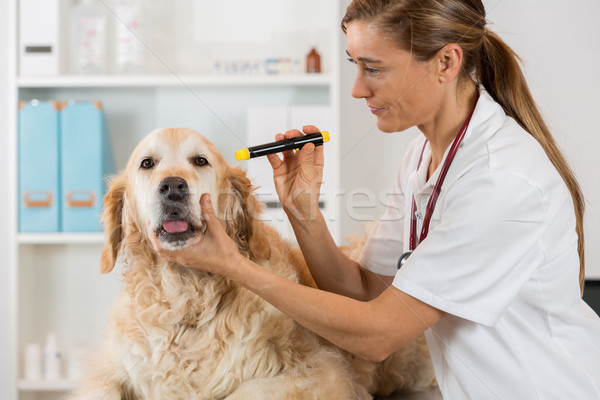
(174, 188)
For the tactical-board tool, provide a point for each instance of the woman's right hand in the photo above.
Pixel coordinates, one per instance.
(298, 176)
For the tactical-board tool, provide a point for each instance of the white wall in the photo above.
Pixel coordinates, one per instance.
(558, 45)
(8, 281)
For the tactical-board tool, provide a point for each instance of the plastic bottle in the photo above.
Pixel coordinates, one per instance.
(33, 362)
(313, 62)
(88, 38)
(52, 358)
(129, 56)
(75, 364)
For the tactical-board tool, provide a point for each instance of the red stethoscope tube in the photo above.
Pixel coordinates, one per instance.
(412, 243)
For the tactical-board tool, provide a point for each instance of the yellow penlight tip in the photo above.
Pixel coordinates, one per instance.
(243, 154)
(325, 135)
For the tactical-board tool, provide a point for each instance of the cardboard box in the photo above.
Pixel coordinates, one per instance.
(39, 194)
(86, 159)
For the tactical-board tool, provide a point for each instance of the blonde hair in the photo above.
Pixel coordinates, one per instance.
(425, 26)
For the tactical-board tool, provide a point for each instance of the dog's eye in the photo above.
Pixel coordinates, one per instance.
(200, 161)
(147, 163)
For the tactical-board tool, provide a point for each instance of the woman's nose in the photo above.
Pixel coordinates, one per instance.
(360, 89)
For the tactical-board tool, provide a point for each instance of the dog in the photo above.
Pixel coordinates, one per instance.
(178, 333)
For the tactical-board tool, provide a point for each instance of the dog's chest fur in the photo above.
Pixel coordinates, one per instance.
(187, 334)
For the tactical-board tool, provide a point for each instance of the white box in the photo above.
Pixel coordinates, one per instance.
(39, 37)
(263, 123)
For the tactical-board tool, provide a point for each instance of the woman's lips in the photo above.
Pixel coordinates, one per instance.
(376, 110)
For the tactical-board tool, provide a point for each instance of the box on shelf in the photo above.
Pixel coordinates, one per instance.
(263, 123)
(39, 31)
(39, 186)
(85, 160)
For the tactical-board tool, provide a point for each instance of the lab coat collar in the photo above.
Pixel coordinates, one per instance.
(486, 120)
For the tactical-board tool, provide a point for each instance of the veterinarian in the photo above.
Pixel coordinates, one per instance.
(487, 216)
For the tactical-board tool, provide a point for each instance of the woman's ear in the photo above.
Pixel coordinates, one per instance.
(240, 210)
(112, 220)
(450, 59)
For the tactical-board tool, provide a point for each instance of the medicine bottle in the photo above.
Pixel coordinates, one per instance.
(313, 62)
(52, 358)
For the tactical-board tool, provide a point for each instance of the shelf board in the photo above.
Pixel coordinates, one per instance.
(47, 386)
(61, 238)
(86, 81)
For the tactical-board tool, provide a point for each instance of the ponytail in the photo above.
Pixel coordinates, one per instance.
(426, 26)
(499, 72)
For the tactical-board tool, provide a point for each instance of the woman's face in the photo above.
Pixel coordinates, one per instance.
(398, 89)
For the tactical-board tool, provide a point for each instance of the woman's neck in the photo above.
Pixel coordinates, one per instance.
(446, 124)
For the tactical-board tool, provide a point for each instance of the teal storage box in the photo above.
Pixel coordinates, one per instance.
(39, 186)
(86, 160)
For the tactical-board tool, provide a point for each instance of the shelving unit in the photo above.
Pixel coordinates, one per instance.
(60, 238)
(53, 278)
(102, 81)
(46, 386)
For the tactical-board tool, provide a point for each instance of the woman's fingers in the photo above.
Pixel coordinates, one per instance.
(274, 160)
(292, 133)
(208, 213)
(307, 162)
(308, 129)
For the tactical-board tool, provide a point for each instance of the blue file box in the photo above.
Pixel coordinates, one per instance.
(86, 160)
(39, 194)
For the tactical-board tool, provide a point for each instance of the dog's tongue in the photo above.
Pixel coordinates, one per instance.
(175, 226)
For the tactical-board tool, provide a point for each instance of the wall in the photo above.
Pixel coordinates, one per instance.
(8, 281)
(556, 43)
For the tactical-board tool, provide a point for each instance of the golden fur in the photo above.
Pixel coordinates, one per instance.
(178, 333)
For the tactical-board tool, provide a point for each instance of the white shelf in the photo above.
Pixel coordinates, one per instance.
(61, 238)
(172, 80)
(61, 385)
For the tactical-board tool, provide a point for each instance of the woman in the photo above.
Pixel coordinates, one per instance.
(494, 279)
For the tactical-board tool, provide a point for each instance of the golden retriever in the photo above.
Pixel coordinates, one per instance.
(178, 333)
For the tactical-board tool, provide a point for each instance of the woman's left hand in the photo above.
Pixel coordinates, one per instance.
(215, 251)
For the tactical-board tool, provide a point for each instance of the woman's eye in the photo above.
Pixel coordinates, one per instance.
(371, 71)
(200, 161)
(147, 163)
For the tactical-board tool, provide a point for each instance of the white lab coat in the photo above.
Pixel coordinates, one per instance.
(501, 259)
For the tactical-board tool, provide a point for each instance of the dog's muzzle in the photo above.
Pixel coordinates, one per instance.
(176, 227)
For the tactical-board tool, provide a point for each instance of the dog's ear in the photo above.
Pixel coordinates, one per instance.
(112, 220)
(241, 210)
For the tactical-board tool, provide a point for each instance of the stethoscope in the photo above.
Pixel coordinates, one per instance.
(412, 243)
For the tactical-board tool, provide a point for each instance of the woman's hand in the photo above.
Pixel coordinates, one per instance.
(298, 176)
(215, 251)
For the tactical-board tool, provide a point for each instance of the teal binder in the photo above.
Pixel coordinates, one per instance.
(38, 164)
(86, 159)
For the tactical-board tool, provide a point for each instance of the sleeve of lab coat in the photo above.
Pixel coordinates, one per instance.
(485, 245)
(385, 243)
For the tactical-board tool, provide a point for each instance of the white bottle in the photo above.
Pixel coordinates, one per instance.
(129, 55)
(76, 364)
(33, 362)
(52, 359)
(89, 38)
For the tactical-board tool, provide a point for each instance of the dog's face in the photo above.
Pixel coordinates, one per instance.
(159, 194)
(168, 173)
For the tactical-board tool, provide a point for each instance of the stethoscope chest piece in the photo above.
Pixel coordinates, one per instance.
(403, 259)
